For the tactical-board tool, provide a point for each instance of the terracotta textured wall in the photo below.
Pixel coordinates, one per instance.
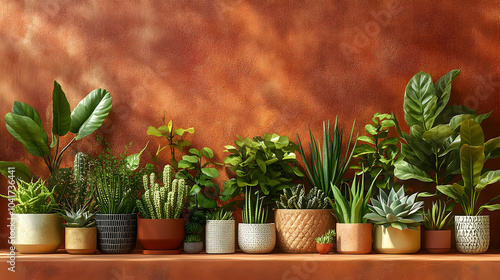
(229, 67)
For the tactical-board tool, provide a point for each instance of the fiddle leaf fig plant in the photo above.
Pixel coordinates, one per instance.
(431, 149)
(24, 124)
(267, 162)
(473, 153)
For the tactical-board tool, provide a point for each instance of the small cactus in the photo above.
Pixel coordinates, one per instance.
(296, 198)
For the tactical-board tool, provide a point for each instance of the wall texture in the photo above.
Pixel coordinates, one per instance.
(235, 67)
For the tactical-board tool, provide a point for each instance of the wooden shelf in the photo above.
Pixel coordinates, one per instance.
(241, 266)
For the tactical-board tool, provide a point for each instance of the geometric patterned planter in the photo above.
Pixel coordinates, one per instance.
(116, 233)
(472, 234)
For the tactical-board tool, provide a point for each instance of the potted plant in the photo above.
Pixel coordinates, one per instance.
(397, 220)
(38, 228)
(472, 231)
(301, 217)
(160, 227)
(80, 230)
(354, 233)
(437, 236)
(255, 235)
(324, 243)
(193, 243)
(220, 232)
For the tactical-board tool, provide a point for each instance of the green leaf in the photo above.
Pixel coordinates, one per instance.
(404, 171)
(205, 202)
(472, 161)
(492, 207)
(208, 152)
(454, 191)
(471, 133)
(363, 150)
(195, 152)
(61, 112)
(438, 134)
(480, 118)
(90, 113)
(210, 172)
(21, 171)
(443, 89)
(491, 146)
(181, 131)
(262, 165)
(388, 141)
(27, 131)
(458, 119)
(489, 177)
(153, 131)
(184, 164)
(371, 129)
(191, 159)
(366, 139)
(387, 123)
(134, 160)
(420, 101)
(24, 109)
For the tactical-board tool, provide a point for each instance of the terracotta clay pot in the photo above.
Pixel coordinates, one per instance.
(437, 241)
(37, 233)
(394, 241)
(161, 235)
(296, 229)
(80, 241)
(354, 238)
(324, 248)
(472, 234)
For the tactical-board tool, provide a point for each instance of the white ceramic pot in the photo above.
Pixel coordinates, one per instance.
(37, 233)
(472, 234)
(395, 241)
(256, 238)
(220, 237)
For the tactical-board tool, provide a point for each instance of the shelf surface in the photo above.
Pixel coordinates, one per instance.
(241, 266)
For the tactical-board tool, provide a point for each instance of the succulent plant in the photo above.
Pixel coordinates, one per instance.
(327, 237)
(33, 198)
(296, 198)
(396, 210)
(163, 202)
(220, 214)
(436, 217)
(192, 239)
(82, 217)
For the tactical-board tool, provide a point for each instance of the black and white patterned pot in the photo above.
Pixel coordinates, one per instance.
(116, 233)
(472, 234)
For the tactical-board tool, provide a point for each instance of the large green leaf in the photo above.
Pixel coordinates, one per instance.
(454, 191)
(24, 109)
(20, 170)
(90, 113)
(443, 89)
(27, 131)
(472, 161)
(404, 171)
(134, 160)
(488, 178)
(210, 172)
(205, 202)
(471, 133)
(61, 112)
(450, 111)
(420, 101)
(492, 147)
(438, 134)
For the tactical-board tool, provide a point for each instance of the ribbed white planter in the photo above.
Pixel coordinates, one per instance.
(472, 234)
(220, 237)
(256, 238)
(37, 233)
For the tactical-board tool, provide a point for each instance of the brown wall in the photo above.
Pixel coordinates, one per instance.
(231, 67)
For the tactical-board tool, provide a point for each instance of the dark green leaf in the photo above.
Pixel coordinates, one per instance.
(420, 101)
(405, 171)
(443, 89)
(24, 109)
(90, 113)
(472, 161)
(26, 131)
(61, 112)
(438, 134)
(20, 171)
(210, 172)
(195, 152)
(471, 133)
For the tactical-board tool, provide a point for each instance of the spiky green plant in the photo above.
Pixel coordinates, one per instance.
(296, 198)
(253, 210)
(327, 237)
(436, 218)
(396, 210)
(194, 227)
(163, 202)
(79, 216)
(220, 214)
(33, 198)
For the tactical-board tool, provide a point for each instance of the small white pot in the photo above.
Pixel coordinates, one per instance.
(472, 234)
(220, 237)
(37, 233)
(256, 238)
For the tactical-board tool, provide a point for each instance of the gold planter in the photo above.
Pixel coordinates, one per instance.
(394, 241)
(80, 241)
(37, 233)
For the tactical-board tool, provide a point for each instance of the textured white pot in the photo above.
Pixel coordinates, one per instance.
(220, 237)
(37, 233)
(472, 234)
(256, 238)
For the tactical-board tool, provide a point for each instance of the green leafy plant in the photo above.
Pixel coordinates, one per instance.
(25, 124)
(194, 227)
(431, 149)
(79, 216)
(327, 237)
(253, 209)
(379, 153)
(204, 190)
(326, 165)
(396, 210)
(33, 198)
(220, 214)
(163, 202)
(296, 198)
(352, 208)
(174, 137)
(473, 153)
(267, 162)
(437, 218)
